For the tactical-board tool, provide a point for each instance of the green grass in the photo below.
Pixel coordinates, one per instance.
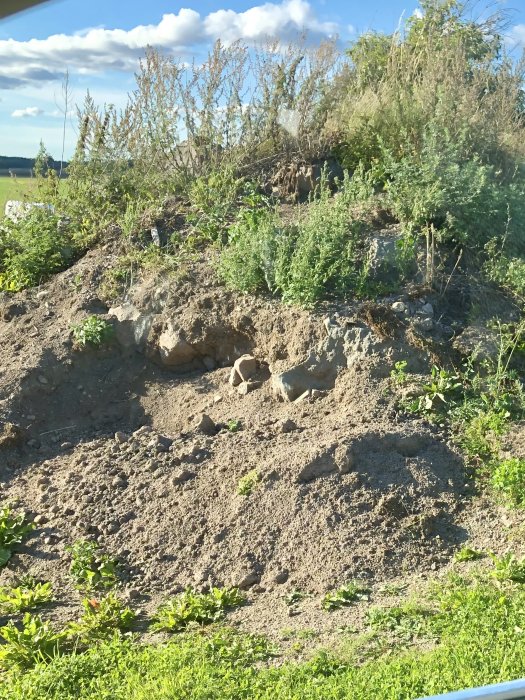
(15, 188)
(477, 626)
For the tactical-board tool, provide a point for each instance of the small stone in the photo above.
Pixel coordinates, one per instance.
(217, 398)
(245, 366)
(317, 394)
(425, 324)
(399, 307)
(40, 519)
(248, 580)
(118, 482)
(43, 481)
(121, 437)
(287, 426)
(42, 379)
(281, 577)
(182, 476)
(427, 309)
(205, 425)
(66, 445)
(245, 388)
(234, 379)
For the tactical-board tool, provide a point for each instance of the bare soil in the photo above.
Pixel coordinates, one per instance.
(106, 446)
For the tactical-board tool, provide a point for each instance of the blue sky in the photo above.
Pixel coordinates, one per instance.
(99, 42)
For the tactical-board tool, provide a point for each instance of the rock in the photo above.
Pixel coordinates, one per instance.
(424, 324)
(427, 309)
(479, 342)
(205, 425)
(42, 379)
(383, 256)
(287, 426)
(182, 476)
(174, 349)
(234, 379)
(10, 435)
(344, 458)
(317, 394)
(243, 369)
(245, 387)
(40, 519)
(281, 577)
(247, 580)
(399, 307)
(121, 437)
(132, 327)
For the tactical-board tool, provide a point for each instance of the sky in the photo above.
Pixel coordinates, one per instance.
(99, 44)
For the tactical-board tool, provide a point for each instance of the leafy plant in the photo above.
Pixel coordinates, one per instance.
(26, 596)
(406, 620)
(36, 642)
(346, 595)
(191, 608)
(399, 375)
(508, 477)
(294, 597)
(93, 331)
(32, 249)
(467, 554)
(100, 620)
(248, 482)
(13, 529)
(233, 425)
(508, 568)
(90, 568)
(443, 387)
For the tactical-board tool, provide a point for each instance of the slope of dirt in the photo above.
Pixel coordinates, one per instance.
(110, 444)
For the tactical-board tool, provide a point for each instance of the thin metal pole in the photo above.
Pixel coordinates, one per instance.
(515, 690)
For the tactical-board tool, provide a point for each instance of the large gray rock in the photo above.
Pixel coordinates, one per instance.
(174, 349)
(478, 342)
(341, 349)
(132, 326)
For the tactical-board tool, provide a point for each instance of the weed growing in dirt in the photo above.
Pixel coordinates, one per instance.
(248, 483)
(467, 554)
(93, 331)
(233, 425)
(399, 374)
(294, 597)
(406, 620)
(191, 608)
(13, 529)
(351, 592)
(441, 390)
(508, 477)
(35, 642)
(90, 568)
(508, 568)
(26, 596)
(102, 618)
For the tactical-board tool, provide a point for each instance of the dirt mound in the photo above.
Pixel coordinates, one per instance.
(111, 444)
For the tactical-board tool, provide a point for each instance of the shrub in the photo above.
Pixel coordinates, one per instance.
(196, 608)
(32, 249)
(508, 477)
(93, 331)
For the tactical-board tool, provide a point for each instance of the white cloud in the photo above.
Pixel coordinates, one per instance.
(516, 36)
(38, 61)
(27, 112)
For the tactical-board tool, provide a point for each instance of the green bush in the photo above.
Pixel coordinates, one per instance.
(36, 642)
(32, 249)
(101, 620)
(93, 330)
(508, 477)
(321, 254)
(28, 595)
